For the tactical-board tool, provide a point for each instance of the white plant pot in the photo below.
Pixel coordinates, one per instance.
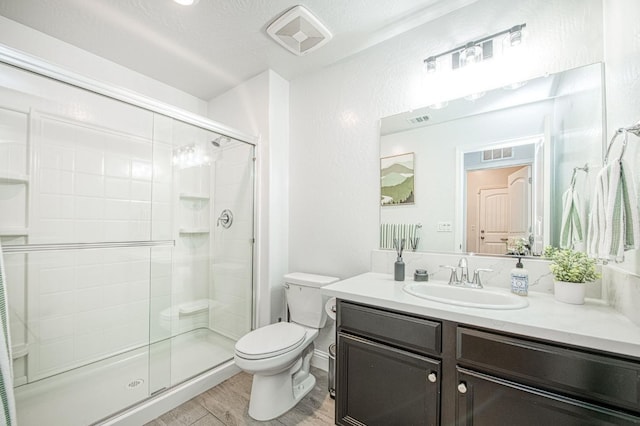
(572, 293)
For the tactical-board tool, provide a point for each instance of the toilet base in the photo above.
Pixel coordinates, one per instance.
(272, 396)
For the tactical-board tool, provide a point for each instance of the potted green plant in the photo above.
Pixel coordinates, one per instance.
(571, 270)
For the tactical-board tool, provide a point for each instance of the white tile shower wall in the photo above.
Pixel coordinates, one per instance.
(16, 285)
(93, 184)
(191, 208)
(13, 142)
(231, 286)
(162, 214)
(13, 171)
(85, 305)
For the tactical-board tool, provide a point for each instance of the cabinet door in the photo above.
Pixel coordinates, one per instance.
(381, 385)
(489, 401)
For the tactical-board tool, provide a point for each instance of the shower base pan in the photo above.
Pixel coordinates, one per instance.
(86, 395)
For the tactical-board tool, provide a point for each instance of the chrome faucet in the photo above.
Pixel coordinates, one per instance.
(463, 280)
(464, 270)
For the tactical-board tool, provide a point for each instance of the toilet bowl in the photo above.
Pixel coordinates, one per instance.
(279, 355)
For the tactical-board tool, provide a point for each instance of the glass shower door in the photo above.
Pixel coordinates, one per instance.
(199, 313)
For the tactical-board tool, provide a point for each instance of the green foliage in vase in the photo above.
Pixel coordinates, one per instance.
(570, 265)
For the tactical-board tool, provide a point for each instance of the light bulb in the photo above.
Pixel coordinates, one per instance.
(471, 54)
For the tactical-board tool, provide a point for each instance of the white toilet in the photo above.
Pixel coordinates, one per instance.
(279, 355)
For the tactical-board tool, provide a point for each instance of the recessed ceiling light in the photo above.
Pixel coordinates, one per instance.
(187, 2)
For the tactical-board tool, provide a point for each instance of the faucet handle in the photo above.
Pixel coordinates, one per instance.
(453, 278)
(476, 276)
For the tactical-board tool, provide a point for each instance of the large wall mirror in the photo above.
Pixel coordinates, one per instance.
(488, 172)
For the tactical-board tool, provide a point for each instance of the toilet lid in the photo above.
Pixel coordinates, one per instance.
(271, 340)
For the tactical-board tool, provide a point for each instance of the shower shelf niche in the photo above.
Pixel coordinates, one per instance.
(14, 232)
(194, 196)
(194, 230)
(13, 178)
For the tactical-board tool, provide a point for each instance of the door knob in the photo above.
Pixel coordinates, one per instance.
(462, 387)
(432, 377)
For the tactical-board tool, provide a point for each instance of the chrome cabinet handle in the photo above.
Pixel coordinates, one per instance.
(462, 387)
(432, 377)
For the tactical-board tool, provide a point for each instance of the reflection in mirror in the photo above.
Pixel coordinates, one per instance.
(523, 141)
(500, 190)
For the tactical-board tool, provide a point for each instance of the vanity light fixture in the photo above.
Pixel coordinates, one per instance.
(471, 54)
(515, 35)
(187, 2)
(475, 96)
(438, 105)
(475, 51)
(430, 64)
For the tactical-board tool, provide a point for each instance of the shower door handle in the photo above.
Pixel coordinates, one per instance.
(225, 219)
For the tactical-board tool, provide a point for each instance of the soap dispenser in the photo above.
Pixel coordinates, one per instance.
(398, 270)
(519, 279)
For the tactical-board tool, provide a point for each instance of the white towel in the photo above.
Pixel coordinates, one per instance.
(8, 411)
(571, 231)
(614, 224)
(622, 214)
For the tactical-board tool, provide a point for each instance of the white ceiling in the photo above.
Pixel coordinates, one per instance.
(209, 48)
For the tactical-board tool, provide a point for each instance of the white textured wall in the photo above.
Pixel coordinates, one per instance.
(622, 58)
(335, 112)
(334, 210)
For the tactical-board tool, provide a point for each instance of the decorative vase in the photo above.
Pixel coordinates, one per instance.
(567, 292)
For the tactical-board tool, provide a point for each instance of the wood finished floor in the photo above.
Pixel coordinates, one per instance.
(227, 404)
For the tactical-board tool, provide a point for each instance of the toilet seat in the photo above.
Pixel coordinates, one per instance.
(270, 341)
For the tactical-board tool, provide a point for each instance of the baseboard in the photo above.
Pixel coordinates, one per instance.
(320, 360)
(168, 400)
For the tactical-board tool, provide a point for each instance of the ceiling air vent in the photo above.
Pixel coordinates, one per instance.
(299, 31)
(418, 119)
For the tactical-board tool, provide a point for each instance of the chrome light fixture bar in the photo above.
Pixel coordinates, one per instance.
(474, 51)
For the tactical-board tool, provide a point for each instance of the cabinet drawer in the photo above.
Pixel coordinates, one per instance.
(594, 377)
(487, 400)
(399, 330)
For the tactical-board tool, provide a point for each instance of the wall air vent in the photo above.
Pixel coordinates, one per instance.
(497, 154)
(299, 31)
(418, 119)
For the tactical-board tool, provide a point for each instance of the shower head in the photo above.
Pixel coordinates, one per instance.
(220, 140)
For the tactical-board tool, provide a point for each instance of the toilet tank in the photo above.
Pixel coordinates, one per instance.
(304, 298)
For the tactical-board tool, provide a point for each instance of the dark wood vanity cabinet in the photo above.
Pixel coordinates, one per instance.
(399, 369)
(485, 400)
(386, 372)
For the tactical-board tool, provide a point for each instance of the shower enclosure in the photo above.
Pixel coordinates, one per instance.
(128, 238)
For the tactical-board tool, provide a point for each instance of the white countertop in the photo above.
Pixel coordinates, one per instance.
(592, 325)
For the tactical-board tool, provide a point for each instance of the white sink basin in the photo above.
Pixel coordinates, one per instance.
(464, 296)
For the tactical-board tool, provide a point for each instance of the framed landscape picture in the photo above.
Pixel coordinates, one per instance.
(396, 180)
